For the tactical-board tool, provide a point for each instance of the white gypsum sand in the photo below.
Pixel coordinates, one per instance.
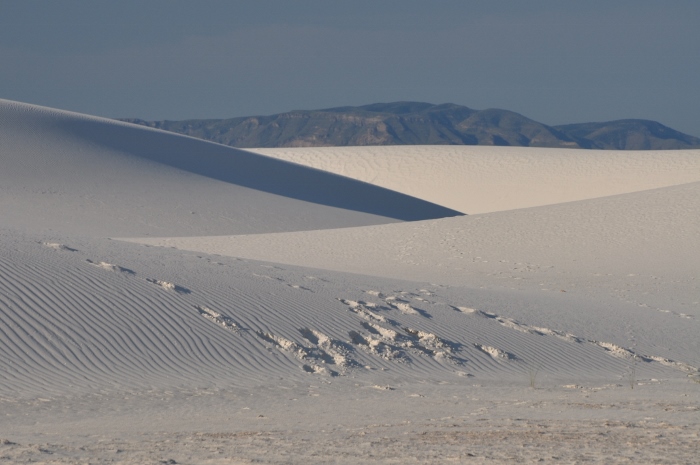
(339, 331)
(482, 179)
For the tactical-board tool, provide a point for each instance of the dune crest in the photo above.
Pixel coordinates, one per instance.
(67, 170)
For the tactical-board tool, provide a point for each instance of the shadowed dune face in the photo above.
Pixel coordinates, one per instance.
(152, 181)
(262, 173)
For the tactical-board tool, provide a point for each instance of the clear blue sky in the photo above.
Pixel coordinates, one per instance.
(556, 61)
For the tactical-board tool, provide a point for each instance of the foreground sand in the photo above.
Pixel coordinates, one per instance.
(281, 314)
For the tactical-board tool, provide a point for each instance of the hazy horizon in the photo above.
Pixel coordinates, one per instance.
(555, 63)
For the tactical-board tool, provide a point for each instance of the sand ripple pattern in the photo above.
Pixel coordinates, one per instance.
(73, 319)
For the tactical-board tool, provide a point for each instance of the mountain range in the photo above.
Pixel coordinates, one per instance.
(418, 123)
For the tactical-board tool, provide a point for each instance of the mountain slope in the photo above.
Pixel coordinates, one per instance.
(417, 123)
(629, 134)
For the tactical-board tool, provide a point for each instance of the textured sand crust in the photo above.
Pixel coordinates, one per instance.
(307, 320)
(470, 424)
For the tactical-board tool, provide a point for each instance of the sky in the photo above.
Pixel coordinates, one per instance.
(554, 61)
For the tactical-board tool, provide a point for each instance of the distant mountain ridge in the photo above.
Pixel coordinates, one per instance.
(418, 123)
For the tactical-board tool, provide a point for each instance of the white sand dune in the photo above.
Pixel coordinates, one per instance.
(640, 249)
(333, 321)
(606, 242)
(89, 175)
(482, 179)
(129, 318)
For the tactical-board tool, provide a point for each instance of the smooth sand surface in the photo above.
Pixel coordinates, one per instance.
(73, 173)
(284, 314)
(481, 179)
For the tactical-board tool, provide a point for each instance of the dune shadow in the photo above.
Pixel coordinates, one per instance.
(255, 171)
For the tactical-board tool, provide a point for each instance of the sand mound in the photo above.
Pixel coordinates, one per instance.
(648, 233)
(159, 318)
(70, 172)
(480, 179)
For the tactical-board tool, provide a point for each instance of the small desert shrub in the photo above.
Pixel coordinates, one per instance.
(532, 372)
(632, 372)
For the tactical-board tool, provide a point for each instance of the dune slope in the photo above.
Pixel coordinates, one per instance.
(479, 179)
(80, 315)
(638, 249)
(88, 175)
